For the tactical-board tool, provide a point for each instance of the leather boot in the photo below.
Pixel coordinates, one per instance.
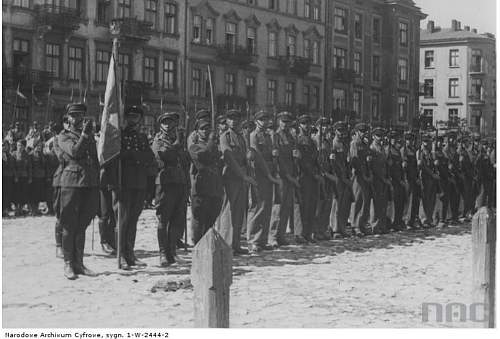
(68, 271)
(78, 266)
(162, 239)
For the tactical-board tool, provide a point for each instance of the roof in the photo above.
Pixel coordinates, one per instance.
(451, 35)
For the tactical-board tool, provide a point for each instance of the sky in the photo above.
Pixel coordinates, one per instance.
(480, 14)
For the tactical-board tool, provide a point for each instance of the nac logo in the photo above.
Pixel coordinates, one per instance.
(454, 312)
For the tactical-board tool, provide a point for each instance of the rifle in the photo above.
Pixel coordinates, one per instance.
(276, 188)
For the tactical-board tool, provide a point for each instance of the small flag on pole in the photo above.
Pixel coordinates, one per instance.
(109, 145)
(18, 92)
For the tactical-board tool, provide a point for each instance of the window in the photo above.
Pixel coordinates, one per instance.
(272, 4)
(477, 89)
(21, 46)
(150, 70)
(124, 66)
(271, 92)
(151, 12)
(453, 114)
(429, 59)
(229, 84)
(358, 26)
(403, 34)
(307, 9)
(315, 98)
(250, 89)
(339, 98)
(209, 31)
(307, 96)
(102, 63)
(170, 18)
(453, 88)
(272, 44)
(375, 106)
(103, 12)
(196, 82)
(290, 94)
(429, 88)
(315, 53)
(251, 37)
(230, 36)
(316, 10)
(251, 2)
(22, 3)
(357, 98)
(291, 7)
(75, 63)
(476, 117)
(376, 68)
(291, 46)
(403, 71)
(377, 31)
(52, 59)
(357, 62)
(197, 29)
(339, 58)
(340, 20)
(124, 8)
(402, 107)
(169, 74)
(454, 58)
(477, 60)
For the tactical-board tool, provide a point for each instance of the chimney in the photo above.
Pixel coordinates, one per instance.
(474, 30)
(454, 25)
(467, 28)
(430, 26)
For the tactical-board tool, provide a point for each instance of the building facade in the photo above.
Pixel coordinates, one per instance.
(313, 56)
(373, 74)
(458, 73)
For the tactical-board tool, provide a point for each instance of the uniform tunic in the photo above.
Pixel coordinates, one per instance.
(362, 183)
(409, 156)
(343, 197)
(380, 188)
(8, 179)
(24, 171)
(396, 174)
(454, 180)
(429, 184)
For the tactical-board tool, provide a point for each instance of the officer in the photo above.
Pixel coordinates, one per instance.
(39, 175)
(235, 178)
(410, 168)
(361, 158)
(325, 190)
(56, 184)
(259, 213)
(52, 166)
(136, 157)
(442, 165)
(79, 188)
(221, 124)
(429, 179)
(466, 170)
(397, 177)
(381, 183)
(206, 180)
(343, 196)
(485, 177)
(171, 186)
(23, 178)
(8, 177)
(283, 144)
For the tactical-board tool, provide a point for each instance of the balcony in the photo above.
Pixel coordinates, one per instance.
(60, 18)
(476, 69)
(26, 78)
(476, 99)
(344, 75)
(295, 65)
(235, 55)
(132, 29)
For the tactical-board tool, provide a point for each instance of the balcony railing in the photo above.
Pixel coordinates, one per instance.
(26, 78)
(476, 68)
(133, 29)
(476, 99)
(235, 55)
(59, 17)
(344, 74)
(299, 66)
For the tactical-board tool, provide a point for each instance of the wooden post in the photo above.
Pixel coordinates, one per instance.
(211, 276)
(483, 265)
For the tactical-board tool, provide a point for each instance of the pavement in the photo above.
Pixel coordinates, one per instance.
(377, 281)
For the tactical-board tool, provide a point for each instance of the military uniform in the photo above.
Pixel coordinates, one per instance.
(309, 189)
(326, 189)
(380, 187)
(444, 183)
(52, 166)
(8, 179)
(467, 176)
(56, 185)
(362, 184)
(79, 191)
(234, 206)
(206, 184)
(410, 167)
(485, 179)
(107, 219)
(171, 192)
(259, 213)
(429, 178)
(39, 177)
(284, 143)
(24, 171)
(396, 174)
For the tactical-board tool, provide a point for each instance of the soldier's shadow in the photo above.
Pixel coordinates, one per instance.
(324, 251)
